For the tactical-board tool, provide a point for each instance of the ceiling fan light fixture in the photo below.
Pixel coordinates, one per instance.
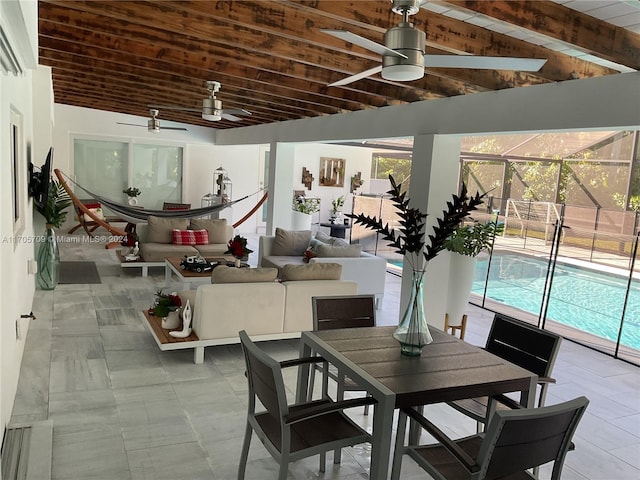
(403, 73)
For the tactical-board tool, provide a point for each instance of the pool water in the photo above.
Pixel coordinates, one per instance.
(584, 299)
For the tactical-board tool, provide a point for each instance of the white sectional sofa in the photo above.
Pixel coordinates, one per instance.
(367, 270)
(251, 299)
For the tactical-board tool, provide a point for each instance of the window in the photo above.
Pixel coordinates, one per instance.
(18, 170)
(107, 168)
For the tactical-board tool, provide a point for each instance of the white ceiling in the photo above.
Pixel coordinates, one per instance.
(622, 13)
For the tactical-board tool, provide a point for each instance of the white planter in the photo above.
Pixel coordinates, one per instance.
(461, 270)
(133, 201)
(300, 221)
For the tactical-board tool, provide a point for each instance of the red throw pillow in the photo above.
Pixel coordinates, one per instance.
(183, 237)
(201, 237)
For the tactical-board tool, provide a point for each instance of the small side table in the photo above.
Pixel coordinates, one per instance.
(338, 230)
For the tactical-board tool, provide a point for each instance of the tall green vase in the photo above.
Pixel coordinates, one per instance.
(413, 331)
(48, 261)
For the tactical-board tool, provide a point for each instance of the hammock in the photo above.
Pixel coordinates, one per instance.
(133, 214)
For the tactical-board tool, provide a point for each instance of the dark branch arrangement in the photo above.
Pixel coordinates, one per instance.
(410, 237)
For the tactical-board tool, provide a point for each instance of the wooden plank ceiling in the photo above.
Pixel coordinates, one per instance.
(272, 59)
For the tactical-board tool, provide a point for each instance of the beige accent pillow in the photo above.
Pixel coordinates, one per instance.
(217, 228)
(160, 230)
(290, 242)
(323, 237)
(339, 242)
(312, 271)
(224, 274)
(335, 252)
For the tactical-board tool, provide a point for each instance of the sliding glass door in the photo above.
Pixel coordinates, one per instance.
(109, 167)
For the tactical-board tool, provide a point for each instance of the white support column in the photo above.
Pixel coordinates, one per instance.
(434, 178)
(280, 186)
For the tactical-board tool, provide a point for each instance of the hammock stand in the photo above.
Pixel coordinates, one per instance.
(138, 215)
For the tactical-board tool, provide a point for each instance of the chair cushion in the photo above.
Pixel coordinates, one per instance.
(339, 251)
(224, 274)
(97, 211)
(290, 242)
(217, 228)
(160, 230)
(312, 271)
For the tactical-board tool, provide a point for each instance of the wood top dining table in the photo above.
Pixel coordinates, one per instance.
(448, 369)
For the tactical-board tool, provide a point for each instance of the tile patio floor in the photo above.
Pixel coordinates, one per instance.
(123, 410)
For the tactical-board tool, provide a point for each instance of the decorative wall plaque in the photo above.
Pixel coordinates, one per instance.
(332, 172)
(356, 181)
(307, 178)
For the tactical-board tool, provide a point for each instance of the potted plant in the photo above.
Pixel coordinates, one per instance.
(465, 243)
(412, 332)
(336, 209)
(302, 208)
(53, 209)
(166, 306)
(132, 193)
(238, 248)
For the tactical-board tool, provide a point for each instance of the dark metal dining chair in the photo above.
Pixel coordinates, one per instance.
(348, 311)
(522, 344)
(515, 441)
(292, 432)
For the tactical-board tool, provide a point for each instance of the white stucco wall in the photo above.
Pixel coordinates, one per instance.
(202, 157)
(19, 22)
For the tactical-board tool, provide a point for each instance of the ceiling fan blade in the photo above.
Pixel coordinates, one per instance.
(131, 124)
(231, 118)
(236, 111)
(357, 76)
(175, 107)
(173, 128)
(362, 42)
(480, 62)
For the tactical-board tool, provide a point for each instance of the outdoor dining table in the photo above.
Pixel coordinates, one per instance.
(448, 369)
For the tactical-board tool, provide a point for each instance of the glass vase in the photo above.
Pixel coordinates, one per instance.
(48, 261)
(413, 332)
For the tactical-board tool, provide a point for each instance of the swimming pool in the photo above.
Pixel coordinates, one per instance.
(585, 299)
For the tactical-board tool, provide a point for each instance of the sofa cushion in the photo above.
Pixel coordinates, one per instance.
(224, 274)
(160, 229)
(339, 242)
(213, 250)
(290, 242)
(339, 251)
(217, 228)
(323, 237)
(312, 271)
(279, 261)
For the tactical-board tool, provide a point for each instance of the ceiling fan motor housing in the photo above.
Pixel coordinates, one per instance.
(153, 125)
(212, 109)
(409, 41)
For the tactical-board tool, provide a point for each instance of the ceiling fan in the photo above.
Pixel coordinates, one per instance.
(403, 57)
(153, 125)
(211, 106)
